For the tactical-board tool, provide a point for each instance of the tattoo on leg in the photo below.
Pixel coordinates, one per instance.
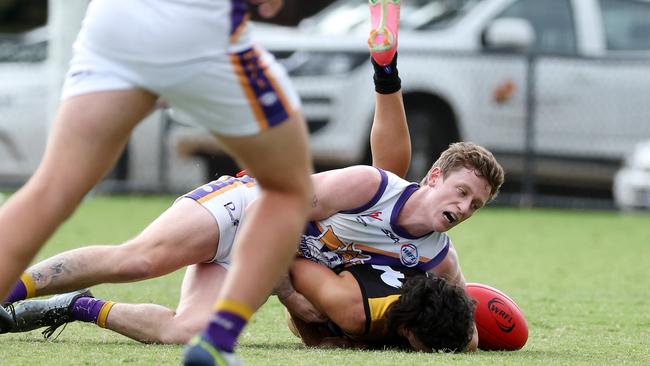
(57, 268)
(46, 276)
(37, 276)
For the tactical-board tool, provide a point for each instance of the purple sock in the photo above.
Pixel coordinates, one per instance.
(224, 329)
(19, 292)
(86, 309)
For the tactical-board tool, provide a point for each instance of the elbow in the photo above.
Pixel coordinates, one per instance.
(352, 320)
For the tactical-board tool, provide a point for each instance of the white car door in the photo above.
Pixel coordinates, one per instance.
(602, 111)
(558, 97)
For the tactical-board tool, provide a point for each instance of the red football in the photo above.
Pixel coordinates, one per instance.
(501, 324)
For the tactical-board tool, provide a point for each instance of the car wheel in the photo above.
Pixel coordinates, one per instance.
(431, 130)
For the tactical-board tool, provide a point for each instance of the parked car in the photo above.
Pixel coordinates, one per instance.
(151, 161)
(632, 181)
(464, 66)
(23, 103)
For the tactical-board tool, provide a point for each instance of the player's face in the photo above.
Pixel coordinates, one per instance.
(455, 198)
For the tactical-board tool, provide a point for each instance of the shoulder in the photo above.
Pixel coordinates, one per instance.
(364, 175)
(371, 178)
(358, 174)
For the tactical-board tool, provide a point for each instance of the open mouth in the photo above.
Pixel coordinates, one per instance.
(449, 216)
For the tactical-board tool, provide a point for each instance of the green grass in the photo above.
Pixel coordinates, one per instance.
(581, 279)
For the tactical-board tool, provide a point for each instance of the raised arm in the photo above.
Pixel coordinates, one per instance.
(390, 143)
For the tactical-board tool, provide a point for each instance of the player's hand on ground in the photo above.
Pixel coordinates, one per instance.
(267, 8)
(300, 307)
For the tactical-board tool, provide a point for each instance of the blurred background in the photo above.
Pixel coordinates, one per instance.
(557, 89)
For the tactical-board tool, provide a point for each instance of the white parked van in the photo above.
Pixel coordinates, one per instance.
(23, 103)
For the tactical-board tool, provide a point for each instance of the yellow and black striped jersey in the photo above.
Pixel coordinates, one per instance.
(380, 288)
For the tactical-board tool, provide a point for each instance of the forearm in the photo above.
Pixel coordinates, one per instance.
(319, 335)
(449, 268)
(390, 143)
(297, 304)
(284, 288)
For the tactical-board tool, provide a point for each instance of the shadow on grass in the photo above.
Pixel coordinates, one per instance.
(92, 341)
(284, 346)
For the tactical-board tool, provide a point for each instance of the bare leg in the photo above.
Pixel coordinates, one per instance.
(152, 323)
(88, 134)
(184, 234)
(280, 161)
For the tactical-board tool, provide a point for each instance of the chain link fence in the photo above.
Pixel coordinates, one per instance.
(560, 122)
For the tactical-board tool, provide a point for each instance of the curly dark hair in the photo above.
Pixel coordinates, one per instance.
(440, 314)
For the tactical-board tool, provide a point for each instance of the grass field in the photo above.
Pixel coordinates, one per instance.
(581, 278)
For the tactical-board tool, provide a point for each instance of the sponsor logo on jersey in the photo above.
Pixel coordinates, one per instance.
(501, 314)
(408, 255)
(376, 215)
(391, 235)
(230, 208)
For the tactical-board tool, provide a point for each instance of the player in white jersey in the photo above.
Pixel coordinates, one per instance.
(198, 231)
(461, 182)
(197, 55)
(372, 234)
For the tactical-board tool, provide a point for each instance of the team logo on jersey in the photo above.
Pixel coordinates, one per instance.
(391, 235)
(376, 215)
(390, 276)
(408, 255)
(327, 249)
(230, 208)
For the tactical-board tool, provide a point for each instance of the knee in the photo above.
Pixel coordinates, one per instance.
(132, 265)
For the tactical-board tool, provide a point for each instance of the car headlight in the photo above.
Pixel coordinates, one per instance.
(323, 63)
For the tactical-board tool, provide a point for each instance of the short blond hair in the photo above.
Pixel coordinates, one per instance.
(471, 156)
